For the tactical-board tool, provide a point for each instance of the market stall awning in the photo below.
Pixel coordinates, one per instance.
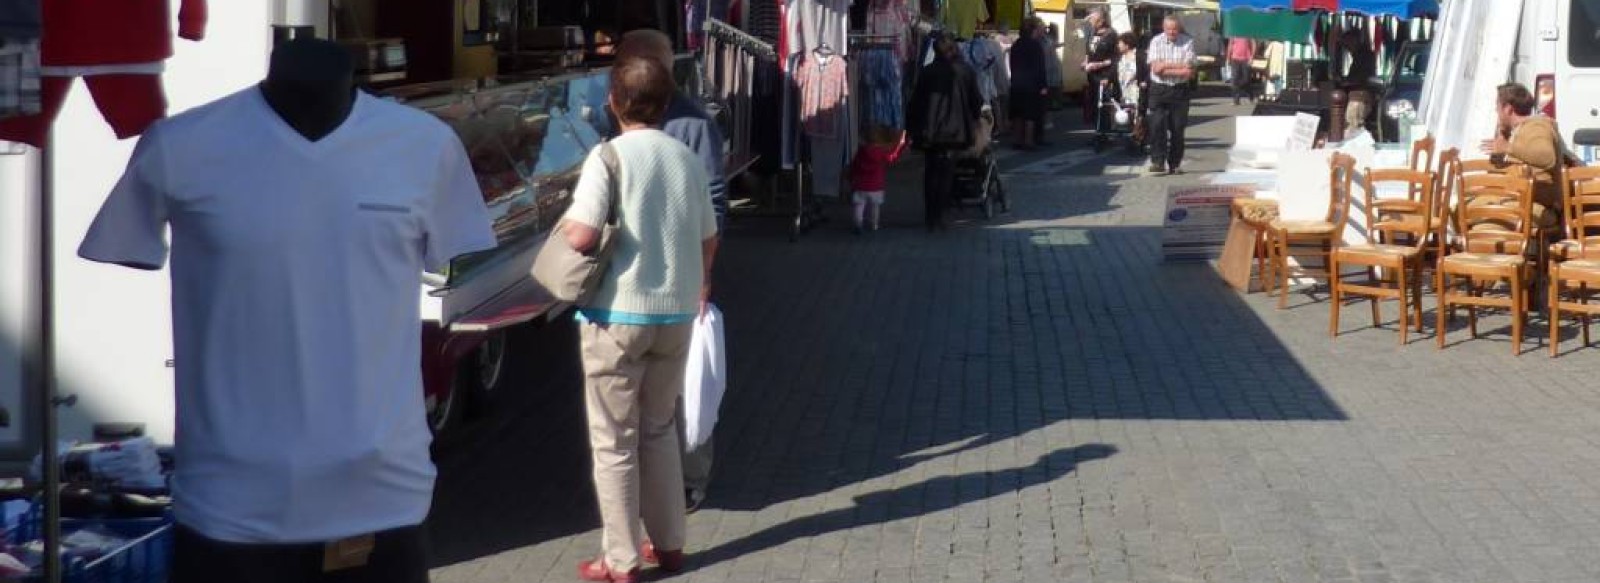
(1052, 5)
(1400, 8)
(1279, 25)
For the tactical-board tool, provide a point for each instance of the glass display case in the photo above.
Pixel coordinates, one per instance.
(527, 142)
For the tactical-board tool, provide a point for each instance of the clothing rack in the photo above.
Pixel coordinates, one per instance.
(728, 33)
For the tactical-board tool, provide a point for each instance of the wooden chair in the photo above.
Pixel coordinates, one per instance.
(1422, 157)
(1494, 224)
(1287, 233)
(1576, 259)
(1397, 236)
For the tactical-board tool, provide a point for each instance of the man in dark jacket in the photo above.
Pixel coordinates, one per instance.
(941, 120)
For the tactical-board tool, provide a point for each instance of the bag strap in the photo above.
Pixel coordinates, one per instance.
(608, 156)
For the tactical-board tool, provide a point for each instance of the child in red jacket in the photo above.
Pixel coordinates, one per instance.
(867, 173)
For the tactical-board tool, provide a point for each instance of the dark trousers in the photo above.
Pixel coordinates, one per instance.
(398, 556)
(1169, 117)
(1241, 78)
(938, 180)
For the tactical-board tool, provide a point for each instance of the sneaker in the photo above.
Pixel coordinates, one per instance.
(1157, 170)
(1176, 170)
(694, 497)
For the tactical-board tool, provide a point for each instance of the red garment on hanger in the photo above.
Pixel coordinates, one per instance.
(129, 104)
(1328, 5)
(117, 32)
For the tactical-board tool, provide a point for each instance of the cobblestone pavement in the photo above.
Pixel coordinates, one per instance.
(1038, 398)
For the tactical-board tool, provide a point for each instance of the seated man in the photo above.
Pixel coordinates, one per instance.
(1533, 140)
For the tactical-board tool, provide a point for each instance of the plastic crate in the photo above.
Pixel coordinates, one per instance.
(145, 558)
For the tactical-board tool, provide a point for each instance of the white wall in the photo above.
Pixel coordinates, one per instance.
(114, 324)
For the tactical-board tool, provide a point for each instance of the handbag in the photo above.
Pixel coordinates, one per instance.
(571, 276)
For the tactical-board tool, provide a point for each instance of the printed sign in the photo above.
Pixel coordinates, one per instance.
(1304, 135)
(1196, 223)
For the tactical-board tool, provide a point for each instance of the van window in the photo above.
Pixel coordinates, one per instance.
(1583, 46)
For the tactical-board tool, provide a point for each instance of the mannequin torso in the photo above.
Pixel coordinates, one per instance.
(311, 85)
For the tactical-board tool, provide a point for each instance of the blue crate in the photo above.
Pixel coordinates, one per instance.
(145, 558)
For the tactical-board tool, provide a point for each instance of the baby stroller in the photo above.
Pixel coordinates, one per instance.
(977, 175)
(1116, 119)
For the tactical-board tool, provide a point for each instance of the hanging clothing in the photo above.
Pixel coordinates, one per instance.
(824, 94)
(881, 71)
(810, 24)
(961, 17)
(984, 58)
(78, 32)
(892, 17)
(19, 77)
(20, 20)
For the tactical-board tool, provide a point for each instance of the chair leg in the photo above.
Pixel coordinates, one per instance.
(1283, 270)
(1472, 311)
(1416, 294)
(1553, 299)
(1519, 310)
(1336, 297)
(1372, 301)
(1401, 286)
(1442, 321)
(1583, 298)
(1262, 255)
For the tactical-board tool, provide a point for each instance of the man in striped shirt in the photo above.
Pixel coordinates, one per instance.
(1171, 58)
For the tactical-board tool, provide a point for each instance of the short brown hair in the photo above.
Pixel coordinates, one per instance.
(1518, 97)
(641, 90)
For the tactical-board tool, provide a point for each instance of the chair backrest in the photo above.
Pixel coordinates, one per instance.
(1446, 185)
(1341, 176)
(1581, 191)
(1495, 212)
(1421, 159)
(1393, 217)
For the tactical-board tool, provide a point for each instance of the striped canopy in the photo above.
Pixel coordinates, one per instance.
(1399, 8)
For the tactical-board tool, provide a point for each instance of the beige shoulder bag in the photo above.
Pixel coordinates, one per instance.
(571, 276)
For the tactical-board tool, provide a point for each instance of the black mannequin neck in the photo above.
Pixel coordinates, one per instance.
(311, 85)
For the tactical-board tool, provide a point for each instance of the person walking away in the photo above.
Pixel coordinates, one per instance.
(1357, 81)
(689, 123)
(1099, 62)
(1240, 52)
(1525, 138)
(942, 120)
(634, 333)
(1130, 84)
(1171, 67)
(1029, 86)
(868, 175)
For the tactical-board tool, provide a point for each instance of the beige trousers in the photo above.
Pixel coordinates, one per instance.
(633, 376)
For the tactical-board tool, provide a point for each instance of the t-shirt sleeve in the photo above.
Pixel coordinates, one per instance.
(131, 227)
(458, 222)
(591, 196)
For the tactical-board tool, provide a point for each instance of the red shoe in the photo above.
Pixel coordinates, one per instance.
(669, 561)
(597, 570)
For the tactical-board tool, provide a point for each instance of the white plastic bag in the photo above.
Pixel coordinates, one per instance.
(704, 380)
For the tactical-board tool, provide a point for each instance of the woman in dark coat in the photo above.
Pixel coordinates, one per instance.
(1029, 86)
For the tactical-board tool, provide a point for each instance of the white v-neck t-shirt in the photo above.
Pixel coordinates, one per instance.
(295, 270)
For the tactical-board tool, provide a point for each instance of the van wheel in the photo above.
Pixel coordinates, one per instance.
(444, 410)
(482, 371)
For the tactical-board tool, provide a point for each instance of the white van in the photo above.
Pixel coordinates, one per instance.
(1554, 50)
